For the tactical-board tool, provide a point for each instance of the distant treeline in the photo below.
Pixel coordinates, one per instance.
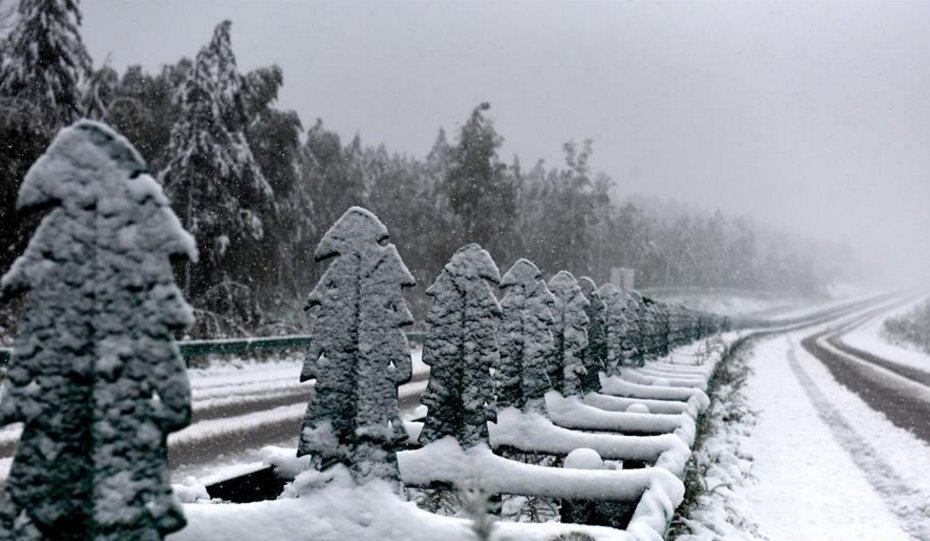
(258, 189)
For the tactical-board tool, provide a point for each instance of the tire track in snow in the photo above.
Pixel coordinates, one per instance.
(904, 501)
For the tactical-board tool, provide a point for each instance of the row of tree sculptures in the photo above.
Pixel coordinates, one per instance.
(98, 382)
(483, 354)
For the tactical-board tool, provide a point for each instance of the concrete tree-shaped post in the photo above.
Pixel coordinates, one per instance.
(461, 348)
(525, 340)
(96, 378)
(569, 333)
(594, 356)
(359, 355)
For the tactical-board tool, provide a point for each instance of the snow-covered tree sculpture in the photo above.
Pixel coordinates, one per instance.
(616, 328)
(461, 349)
(594, 356)
(524, 338)
(637, 329)
(662, 329)
(96, 378)
(570, 334)
(359, 354)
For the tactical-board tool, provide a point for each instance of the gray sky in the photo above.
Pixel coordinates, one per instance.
(814, 117)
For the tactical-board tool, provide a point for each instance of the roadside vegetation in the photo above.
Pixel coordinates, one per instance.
(910, 329)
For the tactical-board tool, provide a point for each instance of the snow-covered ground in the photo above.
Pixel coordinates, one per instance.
(811, 460)
(870, 338)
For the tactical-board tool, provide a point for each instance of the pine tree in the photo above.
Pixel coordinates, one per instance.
(96, 378)
(477, 184)
(43, 62)
(524, 338)
(461, 348)
(569, 333)
(595, 354)
(212, 178)
(358, 354)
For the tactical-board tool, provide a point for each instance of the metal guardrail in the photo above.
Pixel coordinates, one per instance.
(198, 348)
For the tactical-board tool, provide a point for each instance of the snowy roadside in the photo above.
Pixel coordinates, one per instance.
(805, 458)
(869, 337)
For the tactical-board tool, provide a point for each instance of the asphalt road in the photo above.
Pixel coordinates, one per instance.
(901, 393)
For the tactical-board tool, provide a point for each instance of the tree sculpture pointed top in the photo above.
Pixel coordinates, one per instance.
(595, 354)
(570, 334)
(358, 354)
(524, 338)
(356, 229)
(461, 348)
(96, 378)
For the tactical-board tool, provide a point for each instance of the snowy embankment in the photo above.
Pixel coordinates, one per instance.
(869, 337)
(326, 507)
(793, 454)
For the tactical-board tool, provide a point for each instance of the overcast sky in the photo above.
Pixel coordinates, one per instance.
(813, 117)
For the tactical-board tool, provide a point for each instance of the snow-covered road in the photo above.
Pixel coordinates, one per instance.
(827, 465)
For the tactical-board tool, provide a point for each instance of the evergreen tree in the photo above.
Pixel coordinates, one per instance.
(569, 333)
(358, 354)
(595, 354)
(477, 184)
(212, 178)
(524, 338)
(461, 348)
(43, 63)
(96, 378)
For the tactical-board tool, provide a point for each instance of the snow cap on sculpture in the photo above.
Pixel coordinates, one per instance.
(521, 273)
(473, 261)
(356, 228)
